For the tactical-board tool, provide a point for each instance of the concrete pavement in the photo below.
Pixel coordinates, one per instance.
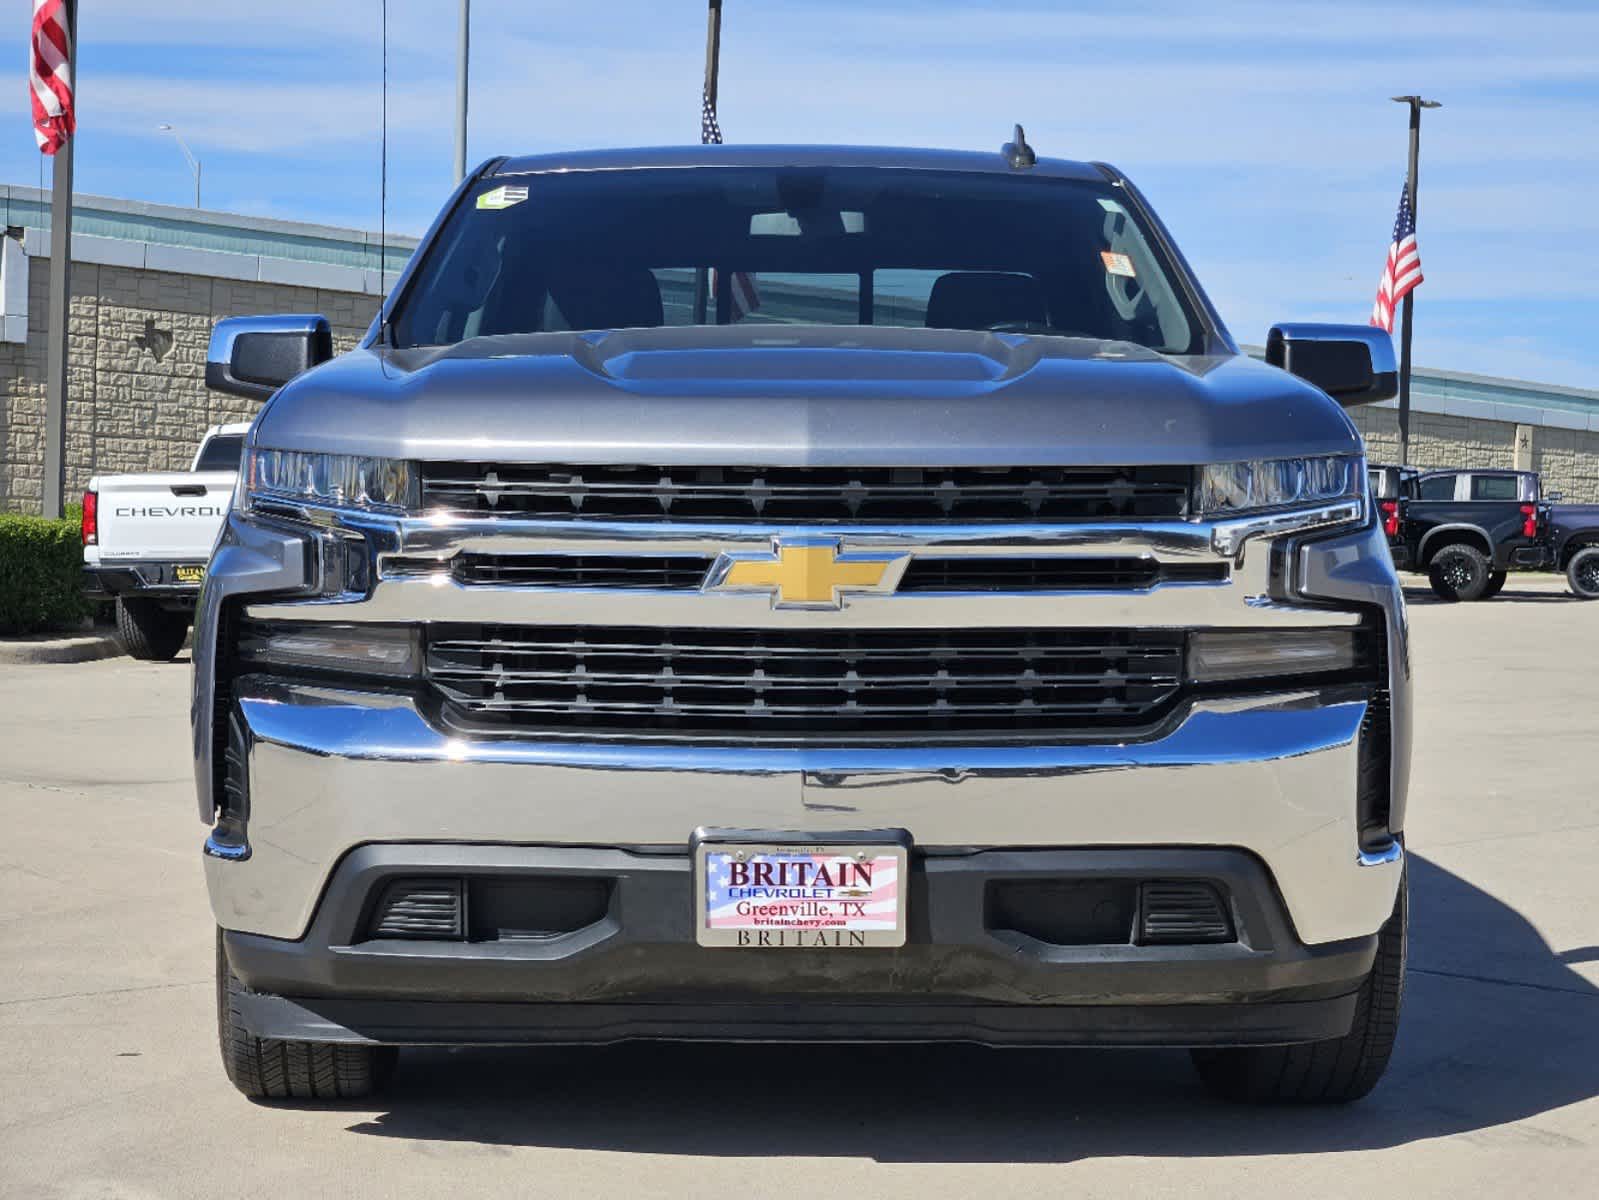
(110, 1084)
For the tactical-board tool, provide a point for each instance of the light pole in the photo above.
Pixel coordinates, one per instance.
(1416, 105)
(194, 163)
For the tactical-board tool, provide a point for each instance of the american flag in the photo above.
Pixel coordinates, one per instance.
(745, 297)
(50, 76)
(869, 906)
(1402, 272)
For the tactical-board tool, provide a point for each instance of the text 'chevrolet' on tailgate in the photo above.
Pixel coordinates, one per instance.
(827, 594)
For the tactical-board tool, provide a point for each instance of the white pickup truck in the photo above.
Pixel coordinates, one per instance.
(146, 540)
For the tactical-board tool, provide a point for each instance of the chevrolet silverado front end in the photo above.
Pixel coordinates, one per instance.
(815, 594)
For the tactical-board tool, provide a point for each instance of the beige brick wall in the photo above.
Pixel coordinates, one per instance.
(1568, 459)
(136, 395)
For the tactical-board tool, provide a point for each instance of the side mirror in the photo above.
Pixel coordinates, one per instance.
(255, 356)
(1354, 364)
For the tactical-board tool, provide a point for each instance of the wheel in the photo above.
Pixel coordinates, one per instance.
(268, 1069)
(1458, 572)
(1582, 572)
(149, 632)
(1334, 1071)
(1496, 580)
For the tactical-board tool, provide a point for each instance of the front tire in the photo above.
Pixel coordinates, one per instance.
(269, 1069)
(1458, 573)
(1334, 1071)
(149, 632)
(1582, 573)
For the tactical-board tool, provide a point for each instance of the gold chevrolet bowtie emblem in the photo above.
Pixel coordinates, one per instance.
(805, 573)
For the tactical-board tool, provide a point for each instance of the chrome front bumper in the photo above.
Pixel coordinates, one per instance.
(332, 770)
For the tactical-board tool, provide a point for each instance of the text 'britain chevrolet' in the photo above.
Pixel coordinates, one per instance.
(814, 594)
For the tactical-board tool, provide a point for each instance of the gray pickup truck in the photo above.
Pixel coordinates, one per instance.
(826, 594)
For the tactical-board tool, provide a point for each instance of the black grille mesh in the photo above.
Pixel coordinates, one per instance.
(820, 495)
(791, 683)
(1182, 913)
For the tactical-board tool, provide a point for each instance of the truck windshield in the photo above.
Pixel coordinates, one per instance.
(595, 250)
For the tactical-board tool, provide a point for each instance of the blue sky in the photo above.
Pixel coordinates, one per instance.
(1261, 131)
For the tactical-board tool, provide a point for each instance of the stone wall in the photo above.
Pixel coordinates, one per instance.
(1568, 458)
(136, 395)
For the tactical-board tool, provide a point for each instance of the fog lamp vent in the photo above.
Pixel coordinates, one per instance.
(421, 908)
(1182, 913)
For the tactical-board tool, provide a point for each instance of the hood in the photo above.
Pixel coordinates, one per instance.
(795, 396)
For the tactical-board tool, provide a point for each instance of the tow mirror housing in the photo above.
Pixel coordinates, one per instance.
(1354, 364)
(255, 356)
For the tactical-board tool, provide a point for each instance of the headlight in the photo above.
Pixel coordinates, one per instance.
(337, 480)
(1272, 496)
(1233, 489)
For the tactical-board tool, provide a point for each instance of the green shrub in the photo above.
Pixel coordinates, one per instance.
(41, 574)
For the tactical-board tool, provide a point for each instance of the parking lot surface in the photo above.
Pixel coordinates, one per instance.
(110, 1083)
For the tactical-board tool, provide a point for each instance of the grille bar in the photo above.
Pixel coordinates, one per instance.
(687, 572)
(808, 494)
(794, 683)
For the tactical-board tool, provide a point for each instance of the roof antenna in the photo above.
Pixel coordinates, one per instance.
(1018, 153)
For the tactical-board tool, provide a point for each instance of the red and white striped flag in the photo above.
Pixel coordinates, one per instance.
(1402, 272)
(50, 75)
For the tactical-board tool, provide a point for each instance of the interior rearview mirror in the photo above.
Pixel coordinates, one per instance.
(255, 356)
(1354, 364)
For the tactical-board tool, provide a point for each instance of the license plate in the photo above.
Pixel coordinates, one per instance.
(190, 574)
(800, 896)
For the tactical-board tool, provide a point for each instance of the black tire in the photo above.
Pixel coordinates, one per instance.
(1458, 572)
(267, 1069)
(1496, 581)
(1582, 573)
(1334, 1071)
(149, 632)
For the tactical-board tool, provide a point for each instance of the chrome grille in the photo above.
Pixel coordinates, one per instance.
(687, 572)
(794, 683)
(811, 495)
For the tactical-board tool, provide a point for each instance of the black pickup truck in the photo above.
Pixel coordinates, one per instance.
(1466, 529)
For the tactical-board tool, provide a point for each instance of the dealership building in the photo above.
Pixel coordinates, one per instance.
(148, 282)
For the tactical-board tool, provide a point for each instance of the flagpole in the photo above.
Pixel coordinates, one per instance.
(463, 63)
(713, 63)
(1416, 104)
(58, 309)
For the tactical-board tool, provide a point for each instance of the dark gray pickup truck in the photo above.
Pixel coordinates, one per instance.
(825, 594)
(1468, 529)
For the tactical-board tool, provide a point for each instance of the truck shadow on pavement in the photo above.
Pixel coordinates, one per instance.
(1425, 596)
(1497, 1030)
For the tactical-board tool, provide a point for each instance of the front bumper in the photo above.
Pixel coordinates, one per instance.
(634, 970)
(329, 771)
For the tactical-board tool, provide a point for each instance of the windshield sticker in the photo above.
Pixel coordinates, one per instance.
(502, 197)
(1118, 264)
